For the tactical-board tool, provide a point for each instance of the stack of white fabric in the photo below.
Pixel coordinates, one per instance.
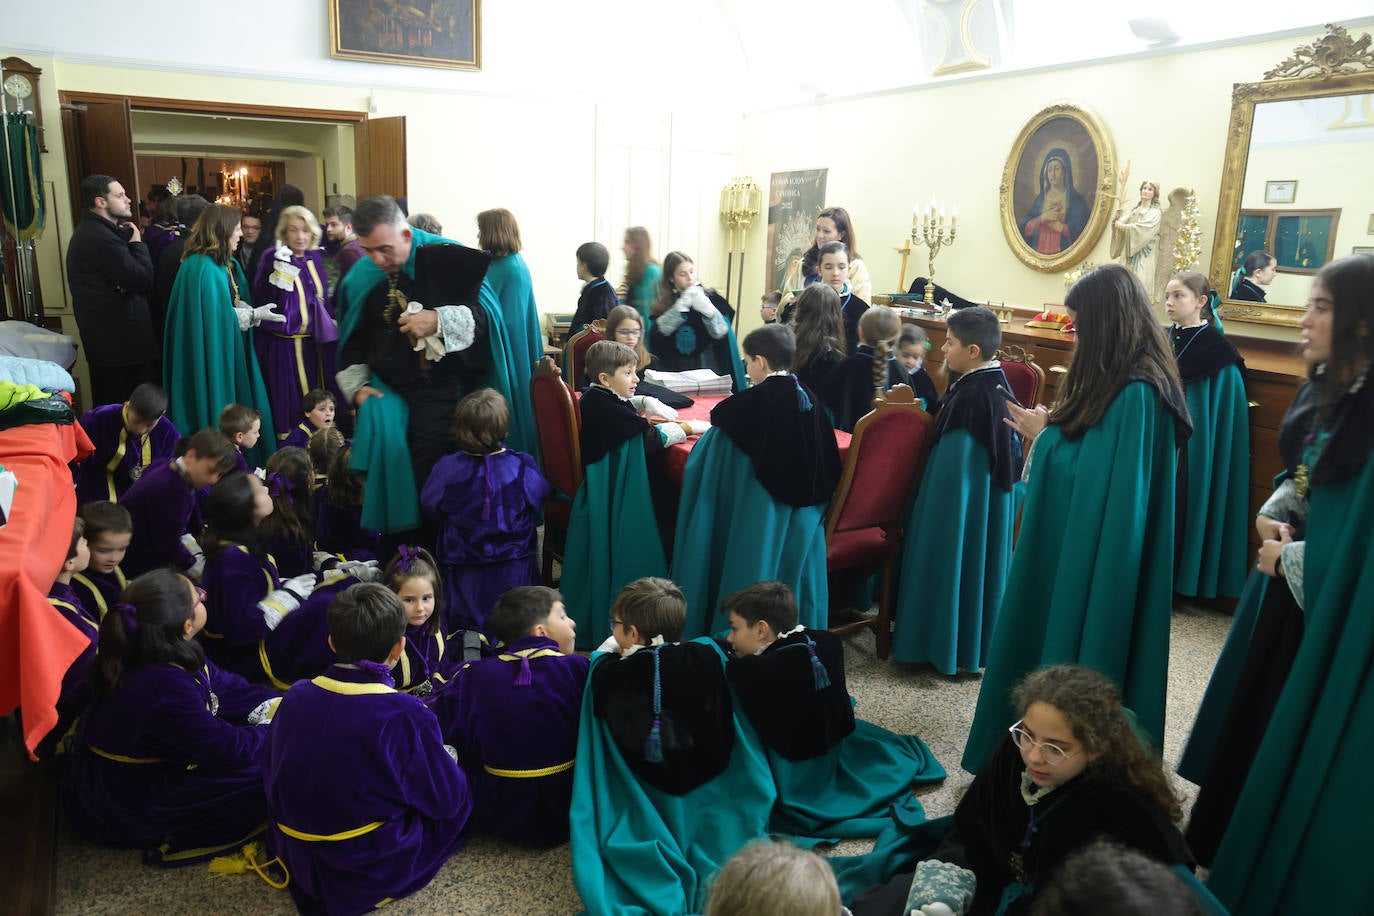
(699, 382)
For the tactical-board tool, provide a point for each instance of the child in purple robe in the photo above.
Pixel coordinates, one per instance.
(163, 500)
(324, 444)
(289, 532)
(515, 717)
(129, 438)
(383, 816)
(243, 427)
(166, 759)
(426, 664)
(76, 692)
(318, 407)
(109, 529)
(298, 353)
(487, 499)
(339, 527)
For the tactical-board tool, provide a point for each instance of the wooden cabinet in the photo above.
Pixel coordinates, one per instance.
(1273, 373)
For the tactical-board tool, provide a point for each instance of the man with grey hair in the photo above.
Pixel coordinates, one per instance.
(413, 339)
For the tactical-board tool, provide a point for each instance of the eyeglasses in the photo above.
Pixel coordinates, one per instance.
(629, 332)
(200, 594)
(616, 623)
(1053, 754)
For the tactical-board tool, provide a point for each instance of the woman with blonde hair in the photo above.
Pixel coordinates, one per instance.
(299, 353)
(499, 235)
(207, 359)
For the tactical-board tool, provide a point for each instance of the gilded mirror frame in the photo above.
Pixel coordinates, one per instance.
(1335, 64)
(1085, 126)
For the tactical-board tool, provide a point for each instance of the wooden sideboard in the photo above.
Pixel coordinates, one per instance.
(1274, 370)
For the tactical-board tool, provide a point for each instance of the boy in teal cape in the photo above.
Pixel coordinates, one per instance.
(669, 781)
(789, 681)
(770, 458)
(468, 327)
(951, 588)
(622, 513)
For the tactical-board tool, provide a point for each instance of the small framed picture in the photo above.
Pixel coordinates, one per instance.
(1362, 249)
(1280, 192)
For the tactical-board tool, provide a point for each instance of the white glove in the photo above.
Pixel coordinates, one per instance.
(245, 316)
(197, 568)
(362, 570)
(300, 586)
(193, 547)
(323, 559)
(698, 427)
(671, 433)
(701, 302)
(936, 909)
(652, 407)
(264, 314)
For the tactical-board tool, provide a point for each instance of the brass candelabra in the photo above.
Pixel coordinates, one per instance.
(930, 228)
(740, 201)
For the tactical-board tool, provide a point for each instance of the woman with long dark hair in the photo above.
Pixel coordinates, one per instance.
(642, 272)
(1091, 577)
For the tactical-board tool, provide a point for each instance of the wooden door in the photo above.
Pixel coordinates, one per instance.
(379, 146)
(99, 138)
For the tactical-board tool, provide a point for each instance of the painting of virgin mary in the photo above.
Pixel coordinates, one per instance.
(1059, 213)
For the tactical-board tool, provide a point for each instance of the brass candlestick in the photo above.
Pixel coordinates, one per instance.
(928, 228)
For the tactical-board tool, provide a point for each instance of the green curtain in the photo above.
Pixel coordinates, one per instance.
(21, 189)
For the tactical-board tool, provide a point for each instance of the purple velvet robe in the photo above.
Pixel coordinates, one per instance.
(488, 506)
(120, 457)
(510, 716)
(426, 665)
(389, 779)
(159, 235)
(167, 763)
(161, 503)
(76, 693)
(98, 592)
(302, 353)
(300, 434)
(339, 529)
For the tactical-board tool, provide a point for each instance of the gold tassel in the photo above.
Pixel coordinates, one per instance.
(252, 857)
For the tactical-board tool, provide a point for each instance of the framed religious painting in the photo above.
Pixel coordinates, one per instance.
(439, 33)
(1058, 187)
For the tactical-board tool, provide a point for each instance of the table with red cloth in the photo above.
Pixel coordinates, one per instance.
(37, 645)
(675, 456)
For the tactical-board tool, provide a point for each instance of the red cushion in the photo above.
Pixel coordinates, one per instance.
(556, 435)
(1023, 382)
(866, 547)
(579, 355)
(889, 449)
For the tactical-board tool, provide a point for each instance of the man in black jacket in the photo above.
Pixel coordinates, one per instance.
(111, 274)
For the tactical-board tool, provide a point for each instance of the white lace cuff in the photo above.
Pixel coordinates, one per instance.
(670, 321)
(672, 433)
(352, 379)
(457, 326)
(1291, 556)
(263, 712)
(1285, 505)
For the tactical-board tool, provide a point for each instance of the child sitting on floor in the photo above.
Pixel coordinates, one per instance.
(515, 719)
(162, 502)
(109, 530)
(324, 444)
(426, 665)
(622, 516)
(243, 427)
(318, 407)
(487, 500)
(129, 438)
(389, 808)
(771, 457)
(289, 532)
(76, 692)
(774, 878)
(339, 524)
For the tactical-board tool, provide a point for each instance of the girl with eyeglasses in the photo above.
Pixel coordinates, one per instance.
(625, 325)
(1069, 772)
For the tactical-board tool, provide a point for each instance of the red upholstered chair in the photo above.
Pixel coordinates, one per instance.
(1026, 377)
(863, 527)
(558, 424)
(575, 352)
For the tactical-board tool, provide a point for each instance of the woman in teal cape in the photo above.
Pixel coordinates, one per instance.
(642, 273)
(207, 362)
(498, 234)
(1213, 534)
(1300, 833)
(1091, 578)
(638, 849)
(391, 499)
(957, 549)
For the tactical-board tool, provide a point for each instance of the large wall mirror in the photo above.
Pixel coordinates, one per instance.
(1295, 177)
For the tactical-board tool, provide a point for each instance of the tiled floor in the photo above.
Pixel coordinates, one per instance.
(488, 877)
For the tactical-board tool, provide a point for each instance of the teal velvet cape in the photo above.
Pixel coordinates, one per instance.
(524, 347)
(612, 538)
(637, 850)
(1091, 579)
(1213, 558)
(732, 533)
(1299, 837)
(951, 585)
(207, 362)
(381, 453)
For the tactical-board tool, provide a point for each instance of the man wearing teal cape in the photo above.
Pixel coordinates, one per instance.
(510, 281)
(1091, 579)
(386, 434)
(208, 363)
